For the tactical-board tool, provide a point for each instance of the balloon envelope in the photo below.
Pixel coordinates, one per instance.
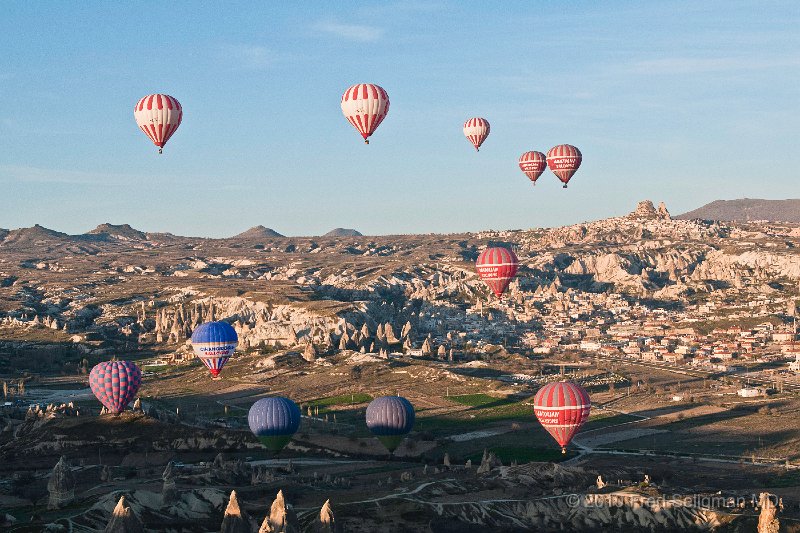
(497, 266)
(476, 130)
(158, 116)
(214, 343)
(390, 418)
(115, 383)
(533, 164)
(365, 105)
(274, 421)
(562, 408)
(564, 161)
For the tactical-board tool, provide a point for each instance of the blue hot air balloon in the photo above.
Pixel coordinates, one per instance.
(274, 421)
(390, 418)
(214, 343)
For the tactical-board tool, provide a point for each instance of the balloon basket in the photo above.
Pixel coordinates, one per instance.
(565, 186)
(366, 141)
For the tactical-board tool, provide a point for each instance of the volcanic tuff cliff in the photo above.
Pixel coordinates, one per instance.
(295, 291)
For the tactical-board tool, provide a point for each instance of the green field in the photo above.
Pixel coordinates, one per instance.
(479, 400)
(344, 399)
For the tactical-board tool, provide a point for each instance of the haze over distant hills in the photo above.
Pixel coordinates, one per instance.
(746, 209)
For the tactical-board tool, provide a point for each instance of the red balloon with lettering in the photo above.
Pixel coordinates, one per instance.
(497, 266)
(533, 164)
(564, 160)
(562, 408)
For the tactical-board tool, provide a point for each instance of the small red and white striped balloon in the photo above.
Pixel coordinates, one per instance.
(533, 164)
(158, 115)
(497, 266)
(365, 105)
(476, 130)
(562, 408)
(564, 161)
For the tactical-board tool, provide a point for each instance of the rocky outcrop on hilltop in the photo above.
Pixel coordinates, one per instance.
(281, 518)
(121, 232)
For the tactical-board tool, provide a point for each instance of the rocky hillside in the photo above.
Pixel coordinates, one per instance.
(258, 232)
(747, 209)
(343, 232)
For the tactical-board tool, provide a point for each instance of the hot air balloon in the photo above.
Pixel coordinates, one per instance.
(274, 421)
(497, 266)
(158, 115)
(533, 165)
(562, 408)
(390, 418)
(564, 161)
(214, 343)
(115, 383)
(365, 105)
(476, 130)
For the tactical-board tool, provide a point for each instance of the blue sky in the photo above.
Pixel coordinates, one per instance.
(685, 102)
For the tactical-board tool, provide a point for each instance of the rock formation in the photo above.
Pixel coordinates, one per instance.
(123, 519)
(326, 523)
(281, 518)
(767, 522)
(61, 485)
(235, 519)
(169, 492)
(309, 353)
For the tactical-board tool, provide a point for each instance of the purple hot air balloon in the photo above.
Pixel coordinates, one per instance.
(115, 383)
(390, 418)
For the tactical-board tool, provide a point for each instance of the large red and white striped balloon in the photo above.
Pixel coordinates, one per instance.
(476, 130)
(562, 408)
(497, 266)
(533, 164)
(158, 115)
(564, 161)
(365, 106)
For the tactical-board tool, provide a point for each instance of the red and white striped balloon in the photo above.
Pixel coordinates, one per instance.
(562, 408)
(497, 266)
(476, 130)
(365, 106)
(533, 164)
(158, 115)
(564, 161)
